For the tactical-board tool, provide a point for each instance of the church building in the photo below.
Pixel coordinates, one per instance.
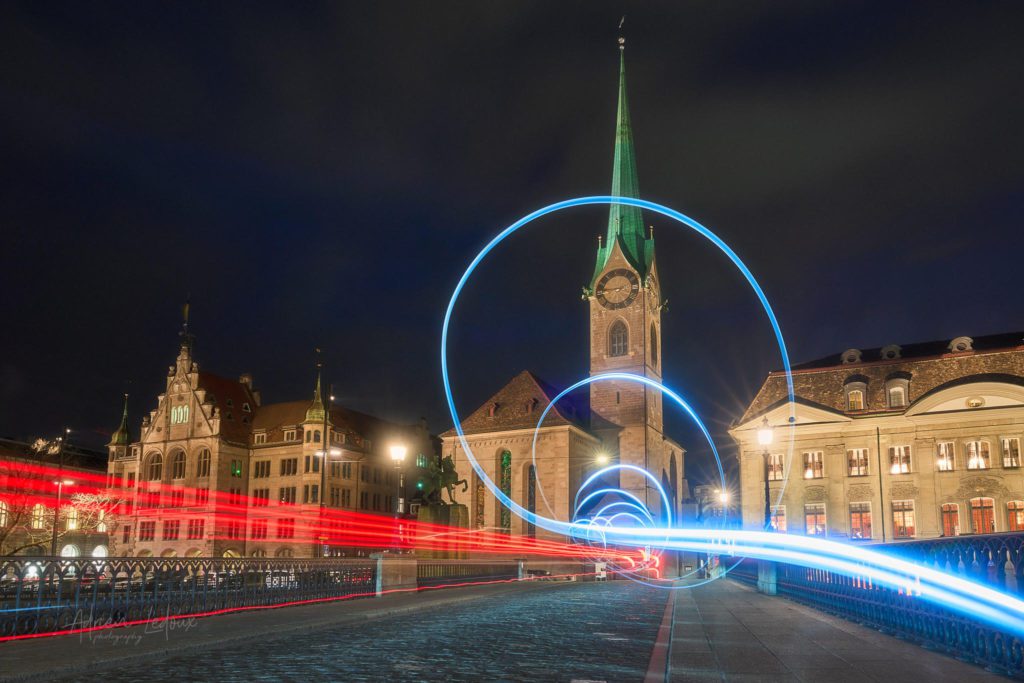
(622, 422)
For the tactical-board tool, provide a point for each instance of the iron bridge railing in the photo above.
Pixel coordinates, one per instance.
(996, 560)
(43, 595)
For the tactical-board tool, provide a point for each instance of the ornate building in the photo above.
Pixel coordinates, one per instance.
(216, 472)
(921, 440)
(622, 422)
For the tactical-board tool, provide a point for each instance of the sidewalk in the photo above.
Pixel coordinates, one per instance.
(726, 631)
(46, 658)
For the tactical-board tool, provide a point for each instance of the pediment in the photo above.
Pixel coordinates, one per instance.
(801, 411)
(969, 396)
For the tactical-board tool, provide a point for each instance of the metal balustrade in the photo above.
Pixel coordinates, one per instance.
(41, 595)
(440, 572)
(993, 559)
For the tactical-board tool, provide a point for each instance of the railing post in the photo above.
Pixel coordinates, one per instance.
(767, 577)
(394, 572)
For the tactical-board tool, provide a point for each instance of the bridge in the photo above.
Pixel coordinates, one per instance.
(396, 617)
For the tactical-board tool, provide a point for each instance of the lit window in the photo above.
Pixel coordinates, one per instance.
(814, 519)
(1011, 452)
(814, 466)
(618, 339)
(860, 521)
(983, 515)
(71, 519)
(945, 459)
(179, 415)
(236, 468)
(857, 462)
(903, 525)
(421, 461)
(855, 400)
(779, 518)
(899, 459)
(1015, 515)
(775, 472)
(950, 519)
(977, 454)
(3, 513)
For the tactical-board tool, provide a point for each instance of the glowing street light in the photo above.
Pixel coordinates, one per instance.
(723, 497)
(602, 458)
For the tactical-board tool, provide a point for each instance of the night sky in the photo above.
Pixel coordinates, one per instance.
(319, 174)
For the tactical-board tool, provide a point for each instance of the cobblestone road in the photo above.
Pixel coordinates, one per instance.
(589, 631)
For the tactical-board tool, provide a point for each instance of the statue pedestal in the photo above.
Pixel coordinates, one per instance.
(448, 545)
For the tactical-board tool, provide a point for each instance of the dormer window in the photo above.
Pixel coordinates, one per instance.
(530, 405)
(492, 409)
(897, 390)
(856, 392)
(260, 438)
(897, 397)
(855, 399)
(851, 356)
(961, 344)
(891, 352)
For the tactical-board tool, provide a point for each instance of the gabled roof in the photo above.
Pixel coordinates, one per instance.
(518, 405)
(273, 417)
(230, 397)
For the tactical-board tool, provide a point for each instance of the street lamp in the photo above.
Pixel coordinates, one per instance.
(60, 484)
(601, 458)
(765, 434)
(398, 451)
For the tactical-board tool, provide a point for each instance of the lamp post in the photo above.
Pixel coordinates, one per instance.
(398, 451)
(765, 434)
(60, 484)
(324, 455)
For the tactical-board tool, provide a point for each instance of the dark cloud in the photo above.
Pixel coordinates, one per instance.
(319, 174)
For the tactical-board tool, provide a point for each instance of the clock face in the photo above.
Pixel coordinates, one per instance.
(618, 288)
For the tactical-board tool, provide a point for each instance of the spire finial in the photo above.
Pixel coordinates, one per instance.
(315, 412)
(121, 437)
(186, 338)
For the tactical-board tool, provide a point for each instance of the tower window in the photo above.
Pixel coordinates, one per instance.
(618, 339)
(654, 346)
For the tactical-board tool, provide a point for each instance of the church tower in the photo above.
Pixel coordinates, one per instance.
(625, 326)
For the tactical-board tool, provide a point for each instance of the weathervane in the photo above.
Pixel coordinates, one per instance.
(622, 41)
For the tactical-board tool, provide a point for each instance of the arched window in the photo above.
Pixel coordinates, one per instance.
(316, 436)
(178, 465)
(70, 550)
(654, 346)
(38, 516)
(156, 467)
(983, 515)
(505, 514)
(950, 519)
(897, 397)
(855, 400)
(1015, 515)
(284, 552)
(479, 496)
(618, 339)
(100, 551)
(531, 498)
(309, 436)
(203, 463)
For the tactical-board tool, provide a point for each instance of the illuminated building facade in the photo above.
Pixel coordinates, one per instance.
(922, 440)
(216, 472)
(622, 421)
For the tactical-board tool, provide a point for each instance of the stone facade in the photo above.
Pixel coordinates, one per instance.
(930, 446)
(217, 473)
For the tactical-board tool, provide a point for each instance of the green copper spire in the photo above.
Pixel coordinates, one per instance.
(315, 411)
(625, 223)
(121, 437)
